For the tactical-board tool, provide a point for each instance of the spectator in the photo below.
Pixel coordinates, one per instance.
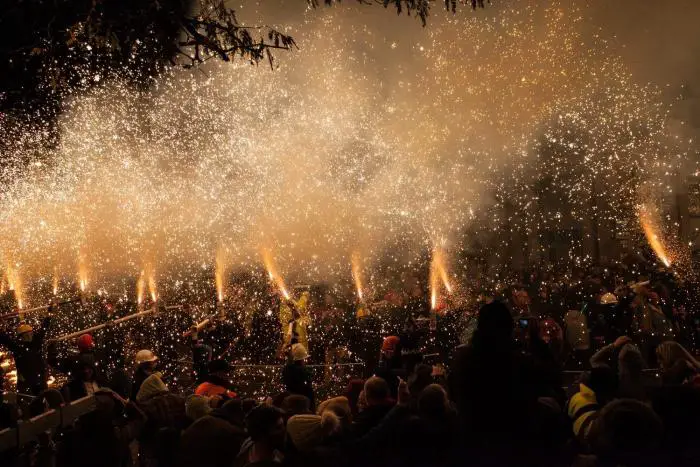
(26, 350)
(627, 433)
(165, 413)
(266, 432)
(677, 365)
(295, 404)
(296, 376)
(83, 381)
(352, 392)
(679, 409)
(145, 366)
(306, 432)
(214, 439)
(378, 403)
(216, 382)
(338, 405)
(430, 435)
(599, 388)
(491, 382)
(201, 356)
(197, 406)
(390, 363)
(624, 357)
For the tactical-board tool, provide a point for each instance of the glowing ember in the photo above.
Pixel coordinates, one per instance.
(356, 274)
(652, 233)
(272, 272)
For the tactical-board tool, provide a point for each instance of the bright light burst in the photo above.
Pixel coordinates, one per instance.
(653, 234)
(349, 139)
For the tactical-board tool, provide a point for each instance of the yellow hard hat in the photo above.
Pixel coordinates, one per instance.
(24, 328)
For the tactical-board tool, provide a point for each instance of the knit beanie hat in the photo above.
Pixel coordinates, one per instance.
(150, 387)
(310, 431)
(197, 406)
(338, 405)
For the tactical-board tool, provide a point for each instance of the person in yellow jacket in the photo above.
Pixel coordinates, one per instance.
(295, 321)
(594, 393)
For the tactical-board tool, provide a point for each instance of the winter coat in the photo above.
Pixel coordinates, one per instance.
(215, 386)
(140, 376)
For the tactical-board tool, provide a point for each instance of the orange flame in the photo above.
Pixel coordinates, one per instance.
(55, 281)
(14, 282)
(438, 274)
(219, 275)
(651, 232)
(272, 272)
(152, 286)
(356, 273)
(82, 273)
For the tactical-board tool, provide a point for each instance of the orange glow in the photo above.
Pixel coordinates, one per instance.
(14, 282)
(219, 274)
(438, 274)
(55, 281)
(434, 285)
(272, 272)
(652, 233)
(356, 273)
(152, 286)
(439, 260)
(82, 273)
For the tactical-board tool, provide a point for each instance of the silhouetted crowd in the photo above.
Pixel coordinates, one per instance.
(491, 390)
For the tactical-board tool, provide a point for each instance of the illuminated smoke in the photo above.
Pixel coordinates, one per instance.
(349, 142)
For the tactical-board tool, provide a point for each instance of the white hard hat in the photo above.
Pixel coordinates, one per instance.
(145, 356)
(608, 299)
(299, 352)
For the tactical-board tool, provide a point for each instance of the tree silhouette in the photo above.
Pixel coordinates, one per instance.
(53, 48)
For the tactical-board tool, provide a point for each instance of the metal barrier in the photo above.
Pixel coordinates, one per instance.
(30, 430)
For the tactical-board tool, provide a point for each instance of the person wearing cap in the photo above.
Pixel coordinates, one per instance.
(165, 412)
(26, 350)
(145, 366)
(216, 382)
(81, 366)
(296, 376)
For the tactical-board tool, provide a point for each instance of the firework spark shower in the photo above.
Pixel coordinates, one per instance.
(361, 139)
